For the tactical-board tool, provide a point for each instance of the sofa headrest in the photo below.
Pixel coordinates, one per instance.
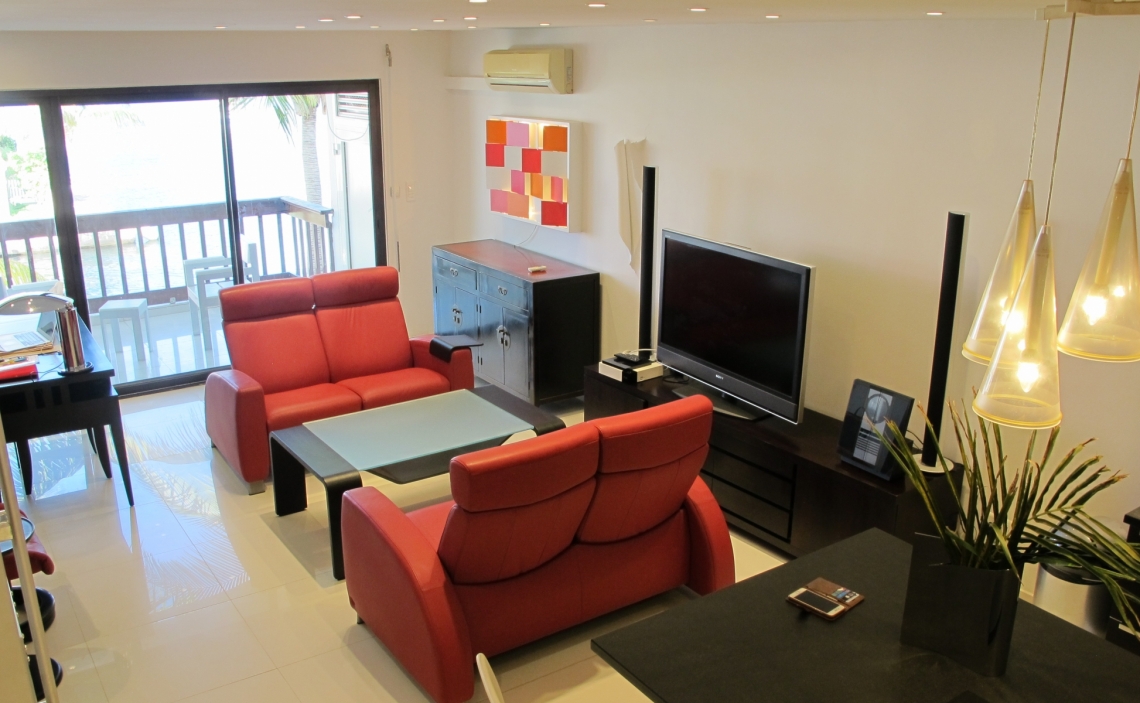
(526, 472)
(654, 437)
(356, 286)
(266, 299)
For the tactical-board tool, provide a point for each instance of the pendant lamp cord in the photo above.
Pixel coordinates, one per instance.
(1037, 110)
(1060, 115)
(1132, 129)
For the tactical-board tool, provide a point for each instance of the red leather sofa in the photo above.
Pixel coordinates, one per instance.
(542, 535)
(303, 349)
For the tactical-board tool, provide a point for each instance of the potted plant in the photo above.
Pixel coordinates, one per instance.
(964, 581)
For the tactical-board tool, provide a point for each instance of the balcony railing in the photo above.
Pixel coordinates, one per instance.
(139, 253)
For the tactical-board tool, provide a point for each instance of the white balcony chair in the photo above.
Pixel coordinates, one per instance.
(490, 682)
(204, 278)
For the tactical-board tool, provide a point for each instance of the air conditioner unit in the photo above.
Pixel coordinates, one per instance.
(530, 70)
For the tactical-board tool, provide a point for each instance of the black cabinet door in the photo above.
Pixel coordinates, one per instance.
(467, 318)
(443, 302)
(516, 352)
(491, 331)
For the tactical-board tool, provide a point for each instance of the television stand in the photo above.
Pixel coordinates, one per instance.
(781, 483)
(722, 403)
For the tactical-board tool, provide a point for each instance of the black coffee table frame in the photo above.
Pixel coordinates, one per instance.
(296, 450)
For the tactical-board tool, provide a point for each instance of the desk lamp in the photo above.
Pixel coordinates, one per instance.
(68, 325)
(24, 304)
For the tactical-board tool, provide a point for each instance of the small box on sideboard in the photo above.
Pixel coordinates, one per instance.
(783, 484)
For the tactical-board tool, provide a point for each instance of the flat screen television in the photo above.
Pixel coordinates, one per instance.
(736, 321)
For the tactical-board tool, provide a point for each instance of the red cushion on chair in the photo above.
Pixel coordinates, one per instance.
(649, 460)
(266, 299)
(396, 386)
(355, 286)
(525, 472)
(291, 408)
(365, 339)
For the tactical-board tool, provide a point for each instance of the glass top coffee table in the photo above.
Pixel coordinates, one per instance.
(403, 443)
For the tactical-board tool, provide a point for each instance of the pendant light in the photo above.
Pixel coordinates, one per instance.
(1103, 320)
(1022, 385)
(997, 301)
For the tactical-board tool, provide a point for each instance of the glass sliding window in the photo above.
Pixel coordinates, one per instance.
(148, 183)
(303, 176)
(30, 247)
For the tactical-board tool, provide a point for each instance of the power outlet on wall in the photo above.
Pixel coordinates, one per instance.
(410, 189)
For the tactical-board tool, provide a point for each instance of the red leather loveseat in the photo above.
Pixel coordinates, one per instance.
(543, 534)
(303, 349)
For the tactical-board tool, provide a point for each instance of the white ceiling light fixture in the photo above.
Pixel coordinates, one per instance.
(933, 14)
(543, 24)
(220, 26)
(477, 0)
(470, 19)
(596, 5)
(325, 19)
(300, 26)
(415, 29)
(438, 20)
(650, 20)
(698, 9)
(352, 17)
(375, 26)
(771, 17)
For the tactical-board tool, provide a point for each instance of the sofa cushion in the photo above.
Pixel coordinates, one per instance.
(648, 460)
(272, 334)
(355, 286)
(361, 322)
(383, 389)
(291, 408)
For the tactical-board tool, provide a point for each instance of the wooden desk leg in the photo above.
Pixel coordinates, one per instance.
(334, 489)
(121, 452)
(24, 452)
(99, 439)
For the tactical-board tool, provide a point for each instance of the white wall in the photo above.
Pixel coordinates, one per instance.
(416, 124)
(841, 145)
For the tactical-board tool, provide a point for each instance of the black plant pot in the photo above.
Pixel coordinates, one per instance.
(963, 613)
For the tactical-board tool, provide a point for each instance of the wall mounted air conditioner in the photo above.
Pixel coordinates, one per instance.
(530, 70)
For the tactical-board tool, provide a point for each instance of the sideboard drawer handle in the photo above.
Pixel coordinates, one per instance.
(502, 291)
(454, 271)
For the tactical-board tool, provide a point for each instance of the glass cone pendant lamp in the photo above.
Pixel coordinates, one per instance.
(997, 301)
(1103, 320)
(1022, 386)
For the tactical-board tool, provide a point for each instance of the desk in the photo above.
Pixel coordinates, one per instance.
(53, 403)
(745, 643)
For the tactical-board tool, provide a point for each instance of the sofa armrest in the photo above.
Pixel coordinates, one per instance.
(459, 372)
(711, 564)
(401, 591)
(235, 421)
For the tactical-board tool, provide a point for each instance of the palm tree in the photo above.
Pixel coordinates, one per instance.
(290, 109)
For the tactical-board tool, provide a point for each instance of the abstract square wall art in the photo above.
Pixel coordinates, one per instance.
(529, 170)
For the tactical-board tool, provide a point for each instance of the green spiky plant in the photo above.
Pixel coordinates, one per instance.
(1033, 513)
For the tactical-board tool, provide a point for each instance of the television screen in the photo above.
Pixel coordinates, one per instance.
(737, 318)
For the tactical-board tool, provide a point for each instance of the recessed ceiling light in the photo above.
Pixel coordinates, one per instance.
(934, 14)
(375, 26)
(220, 26)
(771, 17)
(415, 29)
(325, 19)
(698, 9)
(437, 20)
(300, 26)
(472, 27)
(470, 19)
(596, 4)
(650, 20)
(352, 17)
(543, 24)
(478, 0)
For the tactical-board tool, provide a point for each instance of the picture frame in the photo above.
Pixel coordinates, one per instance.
(869, 408)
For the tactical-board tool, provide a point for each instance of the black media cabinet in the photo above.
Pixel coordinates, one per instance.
(781, 483)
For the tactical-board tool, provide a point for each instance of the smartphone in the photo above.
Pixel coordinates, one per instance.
(817, 604)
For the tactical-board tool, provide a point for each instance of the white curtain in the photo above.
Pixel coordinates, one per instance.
(630, 164)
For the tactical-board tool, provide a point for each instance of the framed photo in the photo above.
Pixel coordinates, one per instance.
(869, 409)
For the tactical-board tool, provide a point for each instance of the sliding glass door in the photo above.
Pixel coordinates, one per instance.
(148, 182)
(179, 193)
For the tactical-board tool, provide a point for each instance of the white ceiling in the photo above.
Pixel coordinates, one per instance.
(406, 14)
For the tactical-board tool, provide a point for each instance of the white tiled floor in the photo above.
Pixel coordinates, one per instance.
(202, 594)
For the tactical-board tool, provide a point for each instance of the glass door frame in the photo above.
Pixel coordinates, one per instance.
(51, 102)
